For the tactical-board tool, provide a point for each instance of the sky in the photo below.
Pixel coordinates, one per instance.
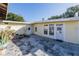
(37, 11)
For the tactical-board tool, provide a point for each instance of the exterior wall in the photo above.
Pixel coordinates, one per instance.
(27, 31)
(40, 29)
(71, 34)
(19, 28)
(71, 30)
(78, 30)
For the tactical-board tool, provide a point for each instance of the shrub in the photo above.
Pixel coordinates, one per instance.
(5, 36)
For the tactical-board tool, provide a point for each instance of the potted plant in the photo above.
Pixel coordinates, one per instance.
(5, 36)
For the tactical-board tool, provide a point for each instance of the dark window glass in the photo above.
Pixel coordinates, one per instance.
(51, 29)
(29, 28)
(59, 24)
(45, 25)
(45, 31)
(35, 29)
(59, 29)
(6, 23)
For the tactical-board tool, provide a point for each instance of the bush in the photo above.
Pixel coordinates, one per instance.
(5, 36)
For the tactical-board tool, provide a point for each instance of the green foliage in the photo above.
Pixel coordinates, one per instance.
(54, 17)
(14, 17)
(70, 12)
(5, 36)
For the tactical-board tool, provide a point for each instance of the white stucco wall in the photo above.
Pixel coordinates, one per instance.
(28, 32)
(78, 30)
(20, 29)
(40, 29)
(71, 32)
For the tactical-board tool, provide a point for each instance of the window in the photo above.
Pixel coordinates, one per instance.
(51, 29)
(35, 29)
(59, 24)
(46, 25)
(45, 31)
(59, 27)
(29, 28)
(6, 23)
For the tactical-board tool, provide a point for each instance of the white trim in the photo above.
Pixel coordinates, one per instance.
(64, 30)
(55, 31)
(48, 30)
(44, 21)
(58, 20)
(4, 21)
(52, 36)
(60, 34)
(78, 31)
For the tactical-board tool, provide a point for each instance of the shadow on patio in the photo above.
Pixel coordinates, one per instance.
(31, 45)
(34, 45)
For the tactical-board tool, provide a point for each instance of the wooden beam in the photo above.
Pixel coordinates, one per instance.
(4, 4)
(3, 10)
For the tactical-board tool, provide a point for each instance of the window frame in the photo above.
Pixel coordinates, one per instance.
(45, 31)
(35, 29)
(51, 29)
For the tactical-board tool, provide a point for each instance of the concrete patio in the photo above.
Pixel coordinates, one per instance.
(40, 46)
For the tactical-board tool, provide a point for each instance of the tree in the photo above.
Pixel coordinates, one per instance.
(14, 17)
(70, 12)
(54, 17)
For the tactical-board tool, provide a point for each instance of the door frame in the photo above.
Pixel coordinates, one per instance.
(52, 36)
(63, 31)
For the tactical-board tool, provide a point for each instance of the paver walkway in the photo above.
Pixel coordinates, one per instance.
(40, 46)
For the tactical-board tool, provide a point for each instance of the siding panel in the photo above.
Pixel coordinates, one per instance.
(71, 32)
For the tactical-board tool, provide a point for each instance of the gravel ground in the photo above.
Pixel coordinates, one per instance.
(40, 46)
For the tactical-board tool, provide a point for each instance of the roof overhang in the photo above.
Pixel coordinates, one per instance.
(44, 21)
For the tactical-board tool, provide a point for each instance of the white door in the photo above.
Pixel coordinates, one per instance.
(52, 30)
(59, 32)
